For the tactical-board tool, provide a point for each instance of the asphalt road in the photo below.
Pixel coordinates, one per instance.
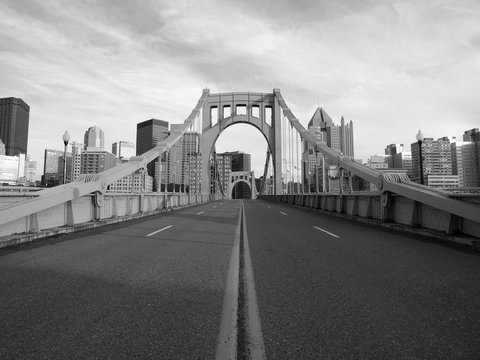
(359, 292)
(326, 288)
(116, 293)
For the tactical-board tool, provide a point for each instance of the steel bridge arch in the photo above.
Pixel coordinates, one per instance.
(213, 127)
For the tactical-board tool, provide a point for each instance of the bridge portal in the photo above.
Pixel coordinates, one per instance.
(260, 110)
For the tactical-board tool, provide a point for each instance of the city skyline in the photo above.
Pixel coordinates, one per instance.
(391, 68)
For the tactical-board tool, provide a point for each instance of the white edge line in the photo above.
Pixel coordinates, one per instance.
(327, 232)
(156, 232)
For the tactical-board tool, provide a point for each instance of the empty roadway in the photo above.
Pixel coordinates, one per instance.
(326, 287)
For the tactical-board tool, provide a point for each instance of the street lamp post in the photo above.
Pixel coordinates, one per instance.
(420, 141)
(66, 139)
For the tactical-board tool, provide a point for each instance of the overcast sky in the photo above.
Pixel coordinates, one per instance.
(391, 67)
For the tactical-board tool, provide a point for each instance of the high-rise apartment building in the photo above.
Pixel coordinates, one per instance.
(436, 158)
(149, 133)
(472, 135)
(14, 118)
(94, 162)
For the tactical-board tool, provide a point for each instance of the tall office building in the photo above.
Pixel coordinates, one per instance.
(14, 117)
(94, 139)
(240, 161)
(94, 158)
(393, 149)
(149, 133)
(339, 138)
(52, 167)
(30, 170)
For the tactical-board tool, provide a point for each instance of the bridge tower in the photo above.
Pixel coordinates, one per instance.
(261, 110)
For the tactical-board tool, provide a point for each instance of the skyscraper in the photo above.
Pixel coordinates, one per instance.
(149, 132)
(14, 117)
(94, 139)
(240, 161)
(339, 138)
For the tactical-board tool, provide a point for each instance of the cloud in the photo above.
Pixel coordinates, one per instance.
(388, 66)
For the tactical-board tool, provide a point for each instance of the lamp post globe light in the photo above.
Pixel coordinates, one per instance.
(420, 141)
(66, 139)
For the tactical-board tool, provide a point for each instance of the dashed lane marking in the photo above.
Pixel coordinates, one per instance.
(201, 212)
(281, 212)
(327, 232)
(156, 232)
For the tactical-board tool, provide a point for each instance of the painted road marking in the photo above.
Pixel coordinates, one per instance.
(269, 207)
(281, 212)
(327, 232)
(156, 232)
(240, 333)
(215, 206)
(201, 212)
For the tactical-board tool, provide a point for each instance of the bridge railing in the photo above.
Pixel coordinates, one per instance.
(389, 209)
(82, 211)
(389, 184)
(90, 187)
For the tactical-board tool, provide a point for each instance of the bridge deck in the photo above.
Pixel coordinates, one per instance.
(326, 288)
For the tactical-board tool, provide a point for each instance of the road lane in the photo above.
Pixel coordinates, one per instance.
(369, 294)
(115, 293)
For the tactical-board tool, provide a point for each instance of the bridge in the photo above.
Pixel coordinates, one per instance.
(276, 277)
